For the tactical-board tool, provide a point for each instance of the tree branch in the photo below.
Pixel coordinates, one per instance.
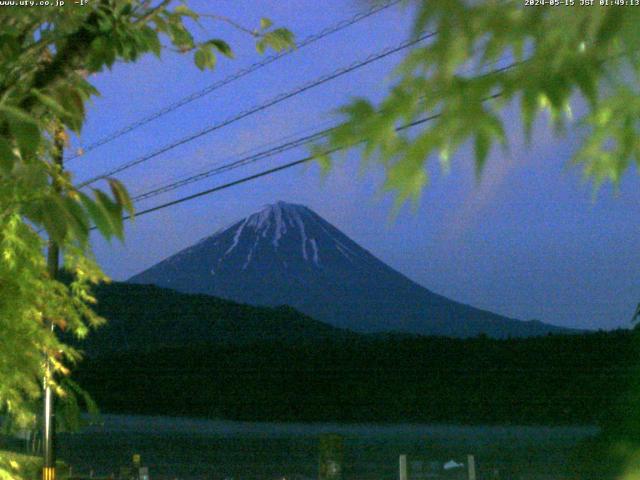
(66, 56)
(231, 22)
(153, 12)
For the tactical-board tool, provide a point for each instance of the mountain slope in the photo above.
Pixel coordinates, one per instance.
(288, 255)
(146, 317)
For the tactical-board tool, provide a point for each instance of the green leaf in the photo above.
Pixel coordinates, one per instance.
(52, 104)
(7, 157)
(614, 19)
(587, 83)
(180, 36)
(31, 176)
(186, 12)
(24, 128)
(205, 58)
(55, 219)
(265, 23)
(100, 53)
(200, 59)
(124, 10)
(529, 109)
(72, 101)
(151, 41)
(113, 213)
(482, 145)
(279, 39)
(95, 58)
(121, 195)
(407, 178)
(222, 46)
(105, 23)
(80, 223)
(359, 110)
(98, 216)
(324, 160)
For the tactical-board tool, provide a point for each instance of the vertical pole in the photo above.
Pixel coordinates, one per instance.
(471, 465)
(403, 468)
(49, 423)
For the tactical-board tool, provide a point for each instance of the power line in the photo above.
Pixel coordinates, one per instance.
(265, 172)
(235, 164)
(290, 164)
(307, 158)
(255, 157)
(274, 101)
(219, 162)
(236, 76)
(226, 185)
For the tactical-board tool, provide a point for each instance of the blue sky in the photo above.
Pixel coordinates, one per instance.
(529, 240)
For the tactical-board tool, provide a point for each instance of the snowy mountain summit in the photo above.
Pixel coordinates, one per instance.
(287, 224)
(286, 254)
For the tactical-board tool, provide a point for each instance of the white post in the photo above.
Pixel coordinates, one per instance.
(403, 468)
(471, 465)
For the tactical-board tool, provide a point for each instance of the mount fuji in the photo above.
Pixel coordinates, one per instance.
(286, 254)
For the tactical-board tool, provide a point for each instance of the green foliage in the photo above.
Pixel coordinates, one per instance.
(278, 39)
(557, 55)
(47, 57)
(14, 466)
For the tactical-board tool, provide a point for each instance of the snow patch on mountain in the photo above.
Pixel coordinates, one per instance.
(250, 254)
(236, 237)
(314, 246)
(341, 247)
(275, 222)
(300, 224)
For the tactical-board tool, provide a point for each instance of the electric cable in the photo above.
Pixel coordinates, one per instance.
(258, 108)
(235, 76)
(263, 173)
(248, 159)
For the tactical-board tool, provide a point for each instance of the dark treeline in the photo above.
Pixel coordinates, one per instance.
(557, 379)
